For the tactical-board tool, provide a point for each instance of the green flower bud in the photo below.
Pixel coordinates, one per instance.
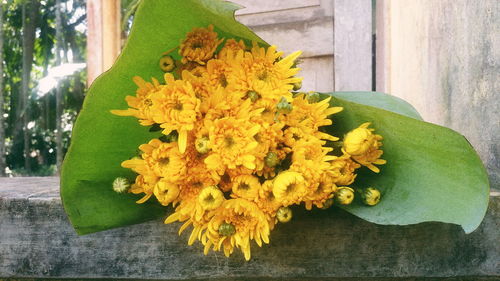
(344, 195)
(173, 137)
(328, 203)
(284, 214)
(370, 196)
(202, 145)
(121, 185)
(313, 97)
(167, 63)
(271, 159)
(297, 86)
(284, 106)
(253, 96)
(227, 229)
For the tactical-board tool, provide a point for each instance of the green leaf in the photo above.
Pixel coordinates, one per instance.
(101, 141)
(380, 100)
(432, 172)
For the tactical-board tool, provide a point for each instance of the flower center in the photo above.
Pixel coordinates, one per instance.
(178, 106)
(197, 45)
(223, 80)
(244, 186)
(229, 141)
(262, 75)
(209, 199)
(164, 160)
(291, 188)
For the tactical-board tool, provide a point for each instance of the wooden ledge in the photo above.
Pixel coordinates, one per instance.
(37, 241)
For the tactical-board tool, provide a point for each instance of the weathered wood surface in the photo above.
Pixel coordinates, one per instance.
(37, 241)
(353, 45)
(443, 57)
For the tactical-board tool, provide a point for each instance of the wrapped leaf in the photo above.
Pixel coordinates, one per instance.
(432, 174)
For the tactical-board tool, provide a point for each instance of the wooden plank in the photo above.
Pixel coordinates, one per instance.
(353, 45)
(103, 39)
(383, 46)
(37, 241)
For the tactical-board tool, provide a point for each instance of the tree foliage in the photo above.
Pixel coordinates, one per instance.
(40, 109)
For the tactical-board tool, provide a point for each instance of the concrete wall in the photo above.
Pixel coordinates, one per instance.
(444, 58)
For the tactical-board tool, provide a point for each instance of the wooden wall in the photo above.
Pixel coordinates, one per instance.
(444, 58)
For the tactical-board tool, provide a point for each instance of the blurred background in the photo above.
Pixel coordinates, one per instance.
(442, 56)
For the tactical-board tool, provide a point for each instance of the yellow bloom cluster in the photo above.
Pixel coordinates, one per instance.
(238, 145)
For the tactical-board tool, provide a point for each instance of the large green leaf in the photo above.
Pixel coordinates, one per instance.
(101, 141)
(433, 174)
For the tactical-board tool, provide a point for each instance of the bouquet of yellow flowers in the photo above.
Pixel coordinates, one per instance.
(238, 145)
(223, 134)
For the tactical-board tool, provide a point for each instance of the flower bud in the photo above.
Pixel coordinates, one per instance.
(166, 192)
(226, 229)
(313, 97)
(253, 96)
(271, 159)
(121, 185)
(284, 106)
(344, 195)
(327, 204)
(297, 85)
(202, 145)
(284, 214)
(359, 140)
(370, 196)
(167, 63)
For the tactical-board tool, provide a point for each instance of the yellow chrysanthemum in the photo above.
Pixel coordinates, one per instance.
(268, 113)
(308, 117)
(217, 73)
(265, 72)
(163, 159)
(159, 160)
(144, 184)
(223, 103)
(199, 45)
(246, 186)
(232, 143)
(323, 191)
(142, 102)
(359, 140)
(310, 159)
(166, 192)
(268, 138)
(267, 202)
(342, 170)
(201, 89)
(176, 107)
(210, 197)
(363, 146)
(249, 223)
(191, 212)
(231, 47)
(289, 188)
